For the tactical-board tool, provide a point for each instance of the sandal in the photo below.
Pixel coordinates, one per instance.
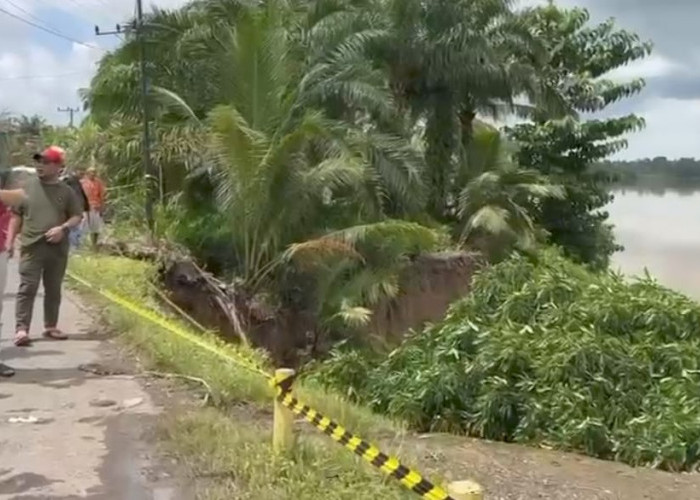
(54, 334)
(6, 371)
(22, 338)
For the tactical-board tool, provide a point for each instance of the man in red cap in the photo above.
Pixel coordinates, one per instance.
(49, 210)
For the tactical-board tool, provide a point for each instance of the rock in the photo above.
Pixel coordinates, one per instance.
(23, 420)
(130, 403)
(102, 403)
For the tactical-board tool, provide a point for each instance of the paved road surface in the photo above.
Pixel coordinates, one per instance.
(66, 444)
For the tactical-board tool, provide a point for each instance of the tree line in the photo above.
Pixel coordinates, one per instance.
(654, 175)
(312, 147)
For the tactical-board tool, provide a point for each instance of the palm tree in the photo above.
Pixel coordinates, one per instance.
(495, 206)
(31, 126)
(357, 267)
(189, 60)
(283, 170)
(446, 61)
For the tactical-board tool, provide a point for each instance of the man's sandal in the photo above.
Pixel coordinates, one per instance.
(54, 334)
(22, 338)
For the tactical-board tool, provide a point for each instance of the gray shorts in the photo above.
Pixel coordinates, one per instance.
(92, 222)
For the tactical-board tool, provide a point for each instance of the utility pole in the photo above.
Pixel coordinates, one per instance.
(146, 145)
(71, 112)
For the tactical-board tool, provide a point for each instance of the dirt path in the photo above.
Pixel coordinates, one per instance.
(66, 432)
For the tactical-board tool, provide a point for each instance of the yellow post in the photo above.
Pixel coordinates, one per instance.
(283, 423)
(465, 490)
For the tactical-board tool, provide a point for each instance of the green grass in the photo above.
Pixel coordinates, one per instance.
(237, 461)
(235, 453)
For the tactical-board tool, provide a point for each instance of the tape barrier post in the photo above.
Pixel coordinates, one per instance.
(283, 421)
(465, 490)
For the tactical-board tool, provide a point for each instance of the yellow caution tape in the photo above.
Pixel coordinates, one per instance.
(172, 327)
(389, 465)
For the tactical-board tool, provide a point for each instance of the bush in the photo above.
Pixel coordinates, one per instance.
(544, 351)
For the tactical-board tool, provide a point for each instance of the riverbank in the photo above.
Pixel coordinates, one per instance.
(209, 440)
(225, 446)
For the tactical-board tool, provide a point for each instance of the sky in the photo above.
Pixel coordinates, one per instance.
(40, 72)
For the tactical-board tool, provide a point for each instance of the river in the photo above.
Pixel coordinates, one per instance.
(662, 233)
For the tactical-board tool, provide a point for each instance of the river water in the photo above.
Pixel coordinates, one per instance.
(660, 232)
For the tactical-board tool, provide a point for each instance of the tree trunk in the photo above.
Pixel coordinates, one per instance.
(441, 141)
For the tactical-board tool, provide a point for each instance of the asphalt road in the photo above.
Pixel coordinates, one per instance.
(66, 433)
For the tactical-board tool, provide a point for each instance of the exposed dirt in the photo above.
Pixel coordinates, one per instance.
(516, 472)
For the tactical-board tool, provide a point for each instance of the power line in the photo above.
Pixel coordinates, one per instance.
(29, 14)
(85, 16)
(48, 30)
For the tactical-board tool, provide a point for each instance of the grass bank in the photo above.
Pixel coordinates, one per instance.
(226, 446)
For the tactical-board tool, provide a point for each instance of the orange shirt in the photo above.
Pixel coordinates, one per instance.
(94, 191)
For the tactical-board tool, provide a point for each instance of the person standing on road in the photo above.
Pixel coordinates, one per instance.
(7, 198)
(49, 211)
(73, 180)
(96, 193)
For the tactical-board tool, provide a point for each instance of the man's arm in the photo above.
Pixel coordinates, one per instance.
(12, 231)
(75, 210)
(73, 222)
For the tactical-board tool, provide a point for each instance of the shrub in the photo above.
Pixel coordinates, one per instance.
(544, 351)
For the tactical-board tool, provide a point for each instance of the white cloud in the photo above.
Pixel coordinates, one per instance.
(36, 78)
(654, 66)
(672, 129)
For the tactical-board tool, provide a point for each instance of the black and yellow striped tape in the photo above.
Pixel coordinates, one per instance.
(389, 465)
(172, 327)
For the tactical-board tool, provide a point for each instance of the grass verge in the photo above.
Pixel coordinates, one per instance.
(232, 458)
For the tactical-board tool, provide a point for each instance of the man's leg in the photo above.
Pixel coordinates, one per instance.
(53, 273)
(30, 268)
(5, 371)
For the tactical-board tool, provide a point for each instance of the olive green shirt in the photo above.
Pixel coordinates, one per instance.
(47, 206)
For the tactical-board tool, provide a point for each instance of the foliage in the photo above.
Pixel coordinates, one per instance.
(357, 267)
(544, 351)
(493, 206)
(446, 61)
(282, 124)
(20, 138)
(580, 57)
(272, 150)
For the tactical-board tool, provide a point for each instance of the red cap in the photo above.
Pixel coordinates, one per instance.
(52, 154)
